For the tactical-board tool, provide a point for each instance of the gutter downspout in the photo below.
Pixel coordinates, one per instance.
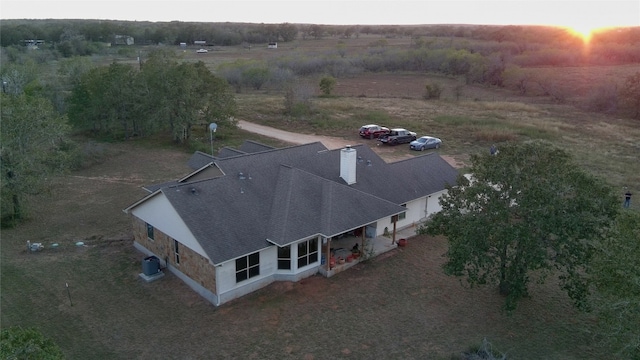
(395, 220)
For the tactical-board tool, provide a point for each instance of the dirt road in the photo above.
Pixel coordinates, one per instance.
(294, 138)
(386, 152)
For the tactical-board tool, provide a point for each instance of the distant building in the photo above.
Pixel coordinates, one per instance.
(272, 45)
(200, 42)
(123, 40)
(33, 44)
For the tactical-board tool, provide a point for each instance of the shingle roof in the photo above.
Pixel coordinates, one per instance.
(284, 195)
(226, 152)
(199, 159)
(249, 146)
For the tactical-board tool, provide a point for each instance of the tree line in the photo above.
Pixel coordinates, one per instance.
(163, 95)
(84, 37)
(41, 111)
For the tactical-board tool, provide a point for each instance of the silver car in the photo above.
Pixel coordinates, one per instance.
(425, 142)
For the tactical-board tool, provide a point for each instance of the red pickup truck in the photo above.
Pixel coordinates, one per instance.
(373, 131)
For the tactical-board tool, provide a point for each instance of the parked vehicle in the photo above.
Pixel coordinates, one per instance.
(202, 51)
(398, 136)
(425, 142)
(373, 131)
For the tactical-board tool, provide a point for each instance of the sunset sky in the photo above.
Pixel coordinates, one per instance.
(572, 13)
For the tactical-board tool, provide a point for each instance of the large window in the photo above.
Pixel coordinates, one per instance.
(176, 250)
(150, 232)
(284, 258)
(400, 216)
(307, 252)
(247, 267)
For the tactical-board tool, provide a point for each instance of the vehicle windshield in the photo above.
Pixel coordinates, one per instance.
(422, 140)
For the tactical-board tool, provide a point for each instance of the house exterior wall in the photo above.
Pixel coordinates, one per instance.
(158, 212)
(216, 283)
(192, 265)
(417, 211)
(433, 202)
(228, 289)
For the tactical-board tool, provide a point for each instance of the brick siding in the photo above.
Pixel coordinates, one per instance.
(192, 264)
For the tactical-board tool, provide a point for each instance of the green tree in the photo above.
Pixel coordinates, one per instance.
(105, 101)
(177, 96)
(327, 84)
(256, 76)
(287, 32)
(630, 94)
(432, 91)
(34, 147)
(528, 212)
(617, 282)
(27, 344)
(119, 101)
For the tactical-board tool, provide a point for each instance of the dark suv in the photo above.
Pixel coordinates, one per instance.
(373, 131)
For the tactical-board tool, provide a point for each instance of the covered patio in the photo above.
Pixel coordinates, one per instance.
(369, 247)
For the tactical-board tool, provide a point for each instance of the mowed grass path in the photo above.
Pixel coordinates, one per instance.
(398, 306)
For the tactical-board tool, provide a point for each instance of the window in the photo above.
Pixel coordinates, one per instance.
(150, 232)
(247, 267)
(400, 216)
(176, 249)
(307, 252)
(284, 258)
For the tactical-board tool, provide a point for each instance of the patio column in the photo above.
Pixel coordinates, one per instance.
(393, 236)
(328, 255)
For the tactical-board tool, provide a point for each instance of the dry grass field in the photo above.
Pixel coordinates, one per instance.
(399, 306)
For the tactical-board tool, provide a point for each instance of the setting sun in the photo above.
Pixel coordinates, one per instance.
(582, 31)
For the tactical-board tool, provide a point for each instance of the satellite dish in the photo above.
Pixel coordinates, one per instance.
(213, 127)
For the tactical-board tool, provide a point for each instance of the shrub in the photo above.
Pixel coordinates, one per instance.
(326, 85)
(482, 352)
(432, 91)
(19, 343)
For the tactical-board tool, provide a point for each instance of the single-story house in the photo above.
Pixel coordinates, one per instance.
(248, 217)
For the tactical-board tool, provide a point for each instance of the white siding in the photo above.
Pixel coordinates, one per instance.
(158, 212)
(228, 289)
(433, 203)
